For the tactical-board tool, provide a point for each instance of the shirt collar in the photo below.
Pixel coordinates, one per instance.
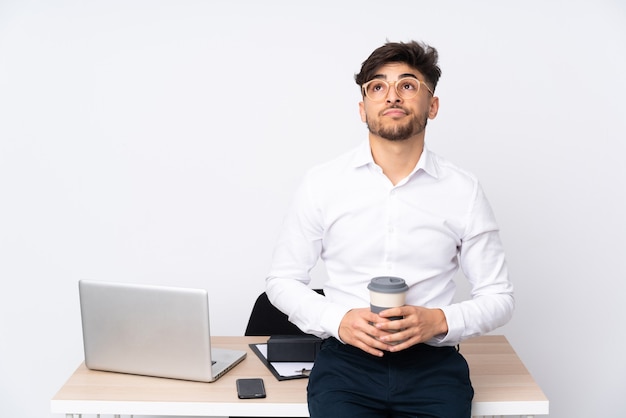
(363, 157)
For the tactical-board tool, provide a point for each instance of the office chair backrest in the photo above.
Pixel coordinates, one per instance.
(266, 319)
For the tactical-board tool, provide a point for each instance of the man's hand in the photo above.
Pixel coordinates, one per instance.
(418, 325)
(357, 329)
(376, 334)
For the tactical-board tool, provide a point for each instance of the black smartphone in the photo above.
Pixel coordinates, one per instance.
(250, 388)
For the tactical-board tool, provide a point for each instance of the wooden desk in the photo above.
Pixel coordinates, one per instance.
(502, 386)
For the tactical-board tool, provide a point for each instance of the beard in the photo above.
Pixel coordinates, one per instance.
(397, 131)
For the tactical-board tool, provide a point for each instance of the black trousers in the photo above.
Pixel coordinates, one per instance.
(422, 381)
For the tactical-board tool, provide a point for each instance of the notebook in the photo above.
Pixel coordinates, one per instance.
(151, 330)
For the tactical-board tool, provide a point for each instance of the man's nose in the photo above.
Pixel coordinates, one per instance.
(392, 95)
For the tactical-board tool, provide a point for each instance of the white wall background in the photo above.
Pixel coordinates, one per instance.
(160, 142)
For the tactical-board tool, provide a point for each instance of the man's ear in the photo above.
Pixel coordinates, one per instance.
(362, 112)
(434, 107)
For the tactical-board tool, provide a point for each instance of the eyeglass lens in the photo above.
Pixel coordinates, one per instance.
(406, 88)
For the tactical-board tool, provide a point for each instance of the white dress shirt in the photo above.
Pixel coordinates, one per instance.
(350, 214)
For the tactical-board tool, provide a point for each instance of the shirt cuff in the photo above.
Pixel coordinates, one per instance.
(456, 327)
(331, 318)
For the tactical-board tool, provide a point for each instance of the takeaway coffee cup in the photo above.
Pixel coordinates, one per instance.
(387, 292)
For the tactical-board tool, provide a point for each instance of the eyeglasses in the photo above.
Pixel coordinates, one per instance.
(406, 88)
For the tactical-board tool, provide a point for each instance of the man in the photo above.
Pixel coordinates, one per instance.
(391, 207)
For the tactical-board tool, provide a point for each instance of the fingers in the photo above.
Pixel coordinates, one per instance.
(418, 324)
(377, 333)
(357, 329)
(371, 345)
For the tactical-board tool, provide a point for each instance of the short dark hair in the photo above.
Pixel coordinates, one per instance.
(418, 55)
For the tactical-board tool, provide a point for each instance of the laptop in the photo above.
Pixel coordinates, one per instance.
(151, 330)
